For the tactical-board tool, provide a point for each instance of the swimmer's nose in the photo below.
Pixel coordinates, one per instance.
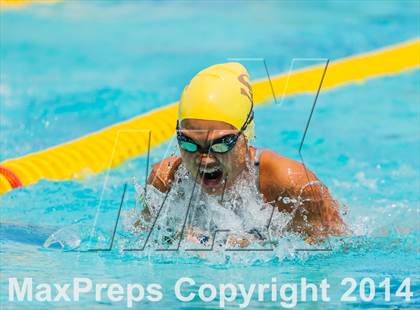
(206, 160)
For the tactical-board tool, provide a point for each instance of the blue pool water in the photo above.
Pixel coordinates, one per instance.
(73, 68)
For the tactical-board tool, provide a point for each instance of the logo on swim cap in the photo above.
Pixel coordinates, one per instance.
(248, 86)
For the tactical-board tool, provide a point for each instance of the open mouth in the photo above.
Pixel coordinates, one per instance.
(211, 176)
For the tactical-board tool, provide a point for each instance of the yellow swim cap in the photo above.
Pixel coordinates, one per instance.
(221, 92)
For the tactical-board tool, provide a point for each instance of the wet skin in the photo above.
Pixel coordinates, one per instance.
(227, 166)
(315, 216)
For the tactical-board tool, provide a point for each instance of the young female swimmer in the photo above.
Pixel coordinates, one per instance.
(213, 129)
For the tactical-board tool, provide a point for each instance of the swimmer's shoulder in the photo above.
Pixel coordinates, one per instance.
(280, 174)
(163, 172)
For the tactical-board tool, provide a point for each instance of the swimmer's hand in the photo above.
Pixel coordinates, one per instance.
(245, 239)
(140, 224)
(238, 241)
(145, 220)
(194, 235)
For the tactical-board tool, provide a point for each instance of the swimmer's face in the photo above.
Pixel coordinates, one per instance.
(214, 169)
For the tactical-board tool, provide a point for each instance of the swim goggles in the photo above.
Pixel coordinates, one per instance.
(221, 145)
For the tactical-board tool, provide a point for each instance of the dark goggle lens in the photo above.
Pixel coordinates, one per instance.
(220, 148)
(188, 146)
(225, 144)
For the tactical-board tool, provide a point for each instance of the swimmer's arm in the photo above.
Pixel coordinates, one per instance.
(161, 177)
(163, 173)
(316, 214)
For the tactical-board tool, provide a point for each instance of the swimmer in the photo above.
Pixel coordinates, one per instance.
(214, 127)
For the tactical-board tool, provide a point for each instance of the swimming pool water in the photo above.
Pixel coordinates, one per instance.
(67, 70)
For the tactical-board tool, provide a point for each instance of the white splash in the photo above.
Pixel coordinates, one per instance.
(193, 219)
